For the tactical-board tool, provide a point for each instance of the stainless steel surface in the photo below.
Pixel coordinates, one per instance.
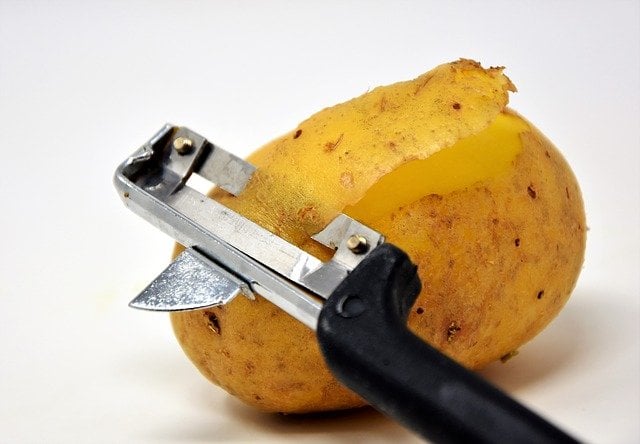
(226, 170)
(153, 184)
(190, 282)
(338, 233)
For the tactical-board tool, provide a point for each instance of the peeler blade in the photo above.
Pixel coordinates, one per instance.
(190, 282)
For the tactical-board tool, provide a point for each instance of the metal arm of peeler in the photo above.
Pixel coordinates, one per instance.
(358, 301)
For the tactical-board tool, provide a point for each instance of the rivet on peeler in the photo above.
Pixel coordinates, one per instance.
(357, 244)
(183, 145)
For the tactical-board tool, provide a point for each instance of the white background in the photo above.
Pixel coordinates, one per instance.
(82, 84)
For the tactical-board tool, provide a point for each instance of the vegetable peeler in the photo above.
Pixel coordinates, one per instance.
(357, 302)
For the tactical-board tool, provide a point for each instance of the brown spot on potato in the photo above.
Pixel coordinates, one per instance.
(517, 242)
(297, 134)
(331, 146)
(346, 179)
(532, 192)
(540, 294)
(308, 214)
(566, 191)
(214, 323)
(456, 106)
(452, 331)
(419, 310)
(383, 103)
(294, 386)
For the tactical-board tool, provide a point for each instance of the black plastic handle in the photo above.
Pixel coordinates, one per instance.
(366, 343)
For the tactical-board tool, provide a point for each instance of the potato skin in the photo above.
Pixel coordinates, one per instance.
(497, 260)
(263, 356)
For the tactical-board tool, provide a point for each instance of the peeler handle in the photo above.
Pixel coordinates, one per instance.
(365, 341)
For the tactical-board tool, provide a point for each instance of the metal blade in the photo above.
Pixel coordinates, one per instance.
(227, 171)
(190, 282)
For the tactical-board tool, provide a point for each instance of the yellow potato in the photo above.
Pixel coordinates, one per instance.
(482, 202)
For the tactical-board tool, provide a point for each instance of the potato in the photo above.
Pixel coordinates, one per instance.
(482, 202)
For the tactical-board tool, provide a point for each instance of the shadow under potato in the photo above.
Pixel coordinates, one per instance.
(343, 425)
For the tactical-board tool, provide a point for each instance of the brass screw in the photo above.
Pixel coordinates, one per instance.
(357, 244)
(183, 145)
